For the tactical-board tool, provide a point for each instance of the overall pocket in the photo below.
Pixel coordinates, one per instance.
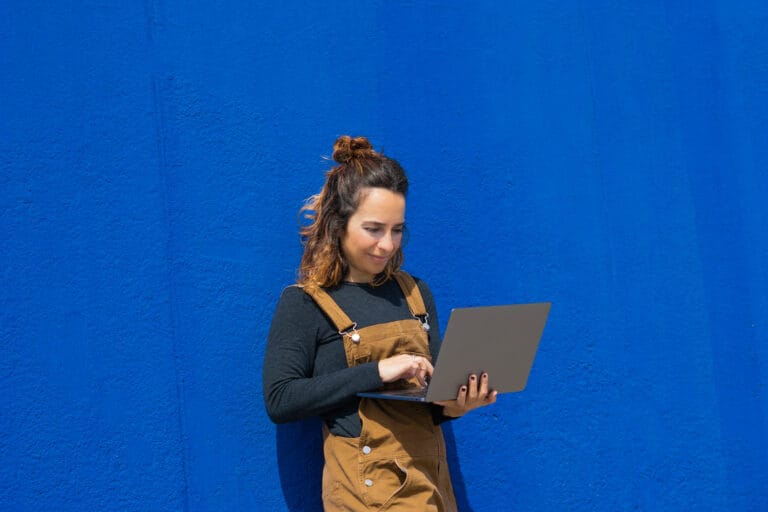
(381, 481)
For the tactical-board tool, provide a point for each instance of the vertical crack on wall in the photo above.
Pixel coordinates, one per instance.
(153, 26)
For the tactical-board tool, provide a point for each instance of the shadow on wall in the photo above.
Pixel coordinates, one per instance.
(300, 464)
(457, 478)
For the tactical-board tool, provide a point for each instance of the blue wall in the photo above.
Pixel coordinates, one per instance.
(611, 158)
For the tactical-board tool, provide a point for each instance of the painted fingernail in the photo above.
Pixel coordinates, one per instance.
(472, 377)
(485, 375)
(463, 388)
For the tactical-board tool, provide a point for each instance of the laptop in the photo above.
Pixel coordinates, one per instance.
(499, 340)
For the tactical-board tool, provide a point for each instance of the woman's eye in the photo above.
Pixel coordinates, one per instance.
(378, 230)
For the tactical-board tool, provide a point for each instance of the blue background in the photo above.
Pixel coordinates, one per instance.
(610, 157)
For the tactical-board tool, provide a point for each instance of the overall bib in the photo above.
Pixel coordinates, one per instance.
(398, 463)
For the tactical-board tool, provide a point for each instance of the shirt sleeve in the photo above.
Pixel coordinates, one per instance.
(291, 390)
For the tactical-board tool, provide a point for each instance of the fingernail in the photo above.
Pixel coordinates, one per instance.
(463, 388)
(472, 377)
(485, 375)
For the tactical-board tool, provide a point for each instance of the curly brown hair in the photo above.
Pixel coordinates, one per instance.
(359, 166)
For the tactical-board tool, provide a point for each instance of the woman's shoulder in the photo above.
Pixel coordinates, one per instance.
(294, 297)
(292, 290)
(419, 281)
(423, 286)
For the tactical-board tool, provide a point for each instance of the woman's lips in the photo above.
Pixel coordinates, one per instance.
(379, 259)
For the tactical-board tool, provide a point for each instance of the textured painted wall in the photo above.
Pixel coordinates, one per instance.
(611, 158)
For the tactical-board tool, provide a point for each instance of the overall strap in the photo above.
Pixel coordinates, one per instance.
(324, 301)
(412, 294)
(343, 323)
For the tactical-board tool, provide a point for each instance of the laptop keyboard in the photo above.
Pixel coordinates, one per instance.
(412, 392)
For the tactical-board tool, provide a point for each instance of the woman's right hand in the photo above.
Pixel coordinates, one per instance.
(405, 366)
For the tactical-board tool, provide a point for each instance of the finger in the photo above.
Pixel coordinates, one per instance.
(424, 366)
(409, 367)
(415, 366)
(430, 369)
(483, 386)
(461, 398)
(421, 376)
(491, 399)
(472, 386)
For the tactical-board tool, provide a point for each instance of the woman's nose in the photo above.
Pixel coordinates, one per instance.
(386, 243)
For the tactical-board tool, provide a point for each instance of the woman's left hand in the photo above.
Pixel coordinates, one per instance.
(471, 396)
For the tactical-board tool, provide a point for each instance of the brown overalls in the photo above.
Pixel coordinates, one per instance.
(398, 463)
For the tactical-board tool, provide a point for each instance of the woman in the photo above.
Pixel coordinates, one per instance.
(355, 322)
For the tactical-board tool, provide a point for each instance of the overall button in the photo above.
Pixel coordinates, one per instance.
(368, 482)
(366, 450)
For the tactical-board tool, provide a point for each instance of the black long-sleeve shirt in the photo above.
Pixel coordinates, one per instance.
(305, 368)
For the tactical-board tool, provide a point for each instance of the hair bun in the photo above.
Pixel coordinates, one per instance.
(347, 149)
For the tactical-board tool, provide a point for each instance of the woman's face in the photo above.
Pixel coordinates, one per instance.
(374, 233)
